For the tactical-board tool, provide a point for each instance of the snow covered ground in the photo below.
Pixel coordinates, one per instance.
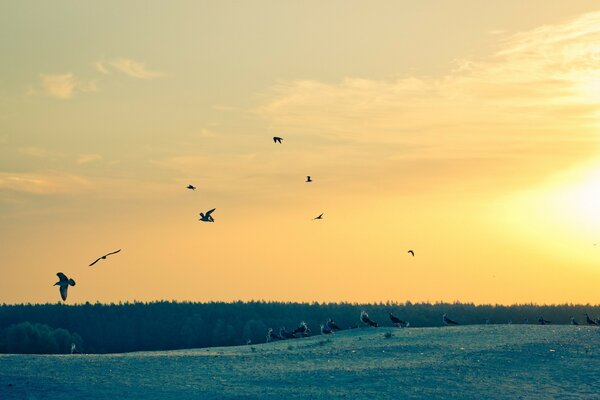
(464, 362)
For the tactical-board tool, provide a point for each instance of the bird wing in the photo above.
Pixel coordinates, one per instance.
(63, 292)
(114, 252)
(98, 259)
(210, 212)
(411, 252)
(62, 277)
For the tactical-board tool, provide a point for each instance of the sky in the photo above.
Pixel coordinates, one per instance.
(464, 130)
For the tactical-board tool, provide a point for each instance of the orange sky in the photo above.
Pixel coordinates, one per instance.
(465, 131)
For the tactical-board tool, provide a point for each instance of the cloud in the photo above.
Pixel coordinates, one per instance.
(88, 158)
(61, 86)
(42, 183)
(101, 67)
(540, 89)
(133, 69)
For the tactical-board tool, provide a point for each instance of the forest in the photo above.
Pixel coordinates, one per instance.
(163, 325)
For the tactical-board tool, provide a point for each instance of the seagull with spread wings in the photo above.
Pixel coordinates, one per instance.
(104, 257)
(63, 284)
(319, 217)
(207, 217)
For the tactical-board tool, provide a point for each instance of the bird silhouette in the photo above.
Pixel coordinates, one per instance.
(364, 317)
(448, 321)
(573, 322)
(191, 187)
(302, 329)
(308, 179)
(63, 284)
(412, 253)
(543, 321)
(589, 320)
(104, 257)
(326, 330)
(319, 217)
(207, 217)
(332, 325)
(277, 139)
(397, 321)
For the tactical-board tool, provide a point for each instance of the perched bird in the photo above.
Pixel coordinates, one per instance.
(302, 329)
(63, 284)
(308, 179)
(411, 253)
(573, 322)
(319, 217)
(325, 330)
(277, 139)
(207, 217)
(397, 321)
(543, 321)
(191, 187)
(589, 320)
(272, 335)
(448, 321)
(285, 334)
(332, 325)
(364, 317)
(104, 257)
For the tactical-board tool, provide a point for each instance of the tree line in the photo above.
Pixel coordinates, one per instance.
(163, 325)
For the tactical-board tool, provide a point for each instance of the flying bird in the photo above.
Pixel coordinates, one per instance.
(191, 187)
(364, 317)
(397, 321)
(104, 257)
(207, 217)
(63, 284)
(277, 139)
(308, 179)
(411, 252)
(448, 321)
(319, 217)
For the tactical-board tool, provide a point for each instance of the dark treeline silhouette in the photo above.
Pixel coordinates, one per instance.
(125, 327)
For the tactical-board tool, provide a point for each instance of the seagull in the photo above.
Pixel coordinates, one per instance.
(302, 329)
(191, 187)
(104, 257)
(543, 321)
(207, 217)
(397, 321)
(573, 322)
(332, 325)
(319, 217)
(411, 252)
(325, 330)
(277, 139)
(448, 321)
(308, 179)
(285, 334)
(63, 284)
(589, 320)
(364, 317)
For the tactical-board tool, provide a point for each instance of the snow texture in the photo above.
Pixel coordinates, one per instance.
(464, 362)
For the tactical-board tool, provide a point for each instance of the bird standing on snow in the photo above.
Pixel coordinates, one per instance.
(308, 179)
(364, 317)
(589, 320)
(272, 335)
(325, 330)
(207, 217)
(332, 325)
(63, 284)
(104, 257)
(543, 321)
(397, 321)
(277, 139)
(302, 329)
(573, 322)
(191, 187)
(448, 321)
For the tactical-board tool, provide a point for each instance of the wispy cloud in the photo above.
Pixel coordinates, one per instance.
(88, 158)
(42, 183)
(61, 86)
(129, 67)
(541, 86)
